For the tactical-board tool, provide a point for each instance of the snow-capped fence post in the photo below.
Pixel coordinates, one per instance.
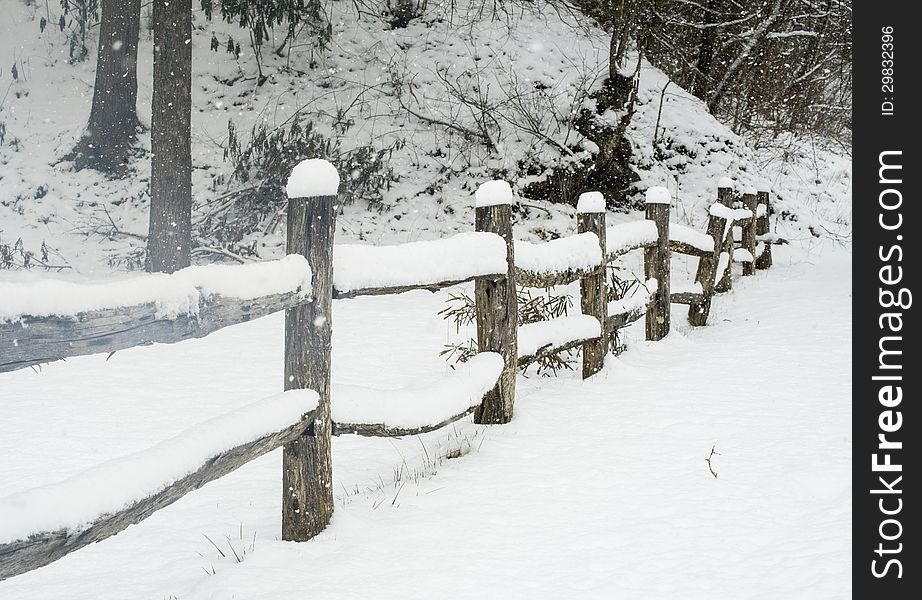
(725, 197)
(496, 303)
(307, 472)
(656, 263)
(707, 272)
(764, 260)
(748, 239)
(593, 292)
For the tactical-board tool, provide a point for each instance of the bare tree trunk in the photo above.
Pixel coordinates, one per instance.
(170, 240)
(705, 60)
(113, 124)
(755, 38)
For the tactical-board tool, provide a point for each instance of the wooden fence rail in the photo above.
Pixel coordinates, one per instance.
(307, 500)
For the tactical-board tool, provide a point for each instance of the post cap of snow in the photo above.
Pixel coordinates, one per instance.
(725, 182)
(590, 202)
(312, 177)
(658, 195)
(750, 191)
(492, 193)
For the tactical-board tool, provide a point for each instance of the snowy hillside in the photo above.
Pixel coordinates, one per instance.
(383, 88)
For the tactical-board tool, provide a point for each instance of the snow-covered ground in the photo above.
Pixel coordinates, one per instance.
(597, 489)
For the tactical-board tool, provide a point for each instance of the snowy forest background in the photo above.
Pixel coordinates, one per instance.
(415, 102)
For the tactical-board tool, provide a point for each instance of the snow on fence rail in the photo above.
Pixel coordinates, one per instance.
(38, 528)
(361, 270)
(557, 262)
(411, 411)
(200, 300)
(43, 320)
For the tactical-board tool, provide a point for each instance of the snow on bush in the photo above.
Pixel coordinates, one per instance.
(173, 294)
(76, 502)
(465, 255)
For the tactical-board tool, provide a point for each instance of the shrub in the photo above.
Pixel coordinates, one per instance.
(261, 168)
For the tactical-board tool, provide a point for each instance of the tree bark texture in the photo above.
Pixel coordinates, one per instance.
(169, 243)
(113, 125)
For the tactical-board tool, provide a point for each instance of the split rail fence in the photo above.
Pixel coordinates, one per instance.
(308, 413)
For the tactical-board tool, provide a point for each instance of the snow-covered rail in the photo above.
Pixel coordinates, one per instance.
(42, 321)
(365, 270)
(557, 262)
(411, 411)
(39, 526)
(49, 319)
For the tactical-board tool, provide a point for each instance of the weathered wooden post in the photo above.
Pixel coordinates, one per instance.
(707, 270)
(593, 290)
(496, 303)
(725, 197)
(764, 260)
(656, 263)
(748, 239)
(307, 471)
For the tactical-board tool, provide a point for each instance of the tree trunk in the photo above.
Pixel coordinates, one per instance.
(705, 60)
(170, 240)
(112, 128)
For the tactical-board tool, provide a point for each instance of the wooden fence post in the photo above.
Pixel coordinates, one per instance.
(748, 239)
(496, 303)
(707, 273)
(307, 471)
(593, 290)
(764, 260)
(725, 197)
(656, 263)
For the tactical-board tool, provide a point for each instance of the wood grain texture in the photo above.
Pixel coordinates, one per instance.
(764, 261)
(528, 278)
(748, 239)
(46, 547)
(382, 430)
(707, 273)
(625, 318)
(593, 295)
(725, 279)
(307, 466)
(688, 249)
(687, 298)
(33, 341)
(399, 289)
(497, 318)
(613, 254)
(656, 265)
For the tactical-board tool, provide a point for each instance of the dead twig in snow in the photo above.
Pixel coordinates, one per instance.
(708, 460)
